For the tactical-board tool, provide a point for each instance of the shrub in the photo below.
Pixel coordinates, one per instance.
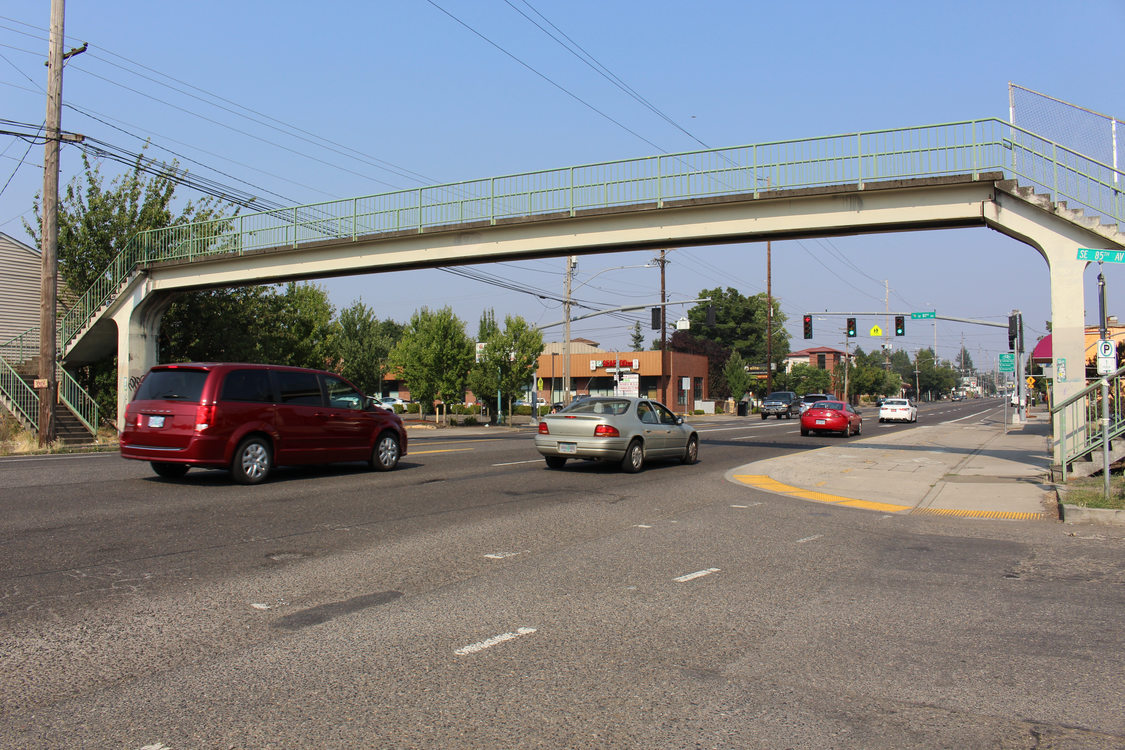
(413, 408)
(697, 412)
(469, 421)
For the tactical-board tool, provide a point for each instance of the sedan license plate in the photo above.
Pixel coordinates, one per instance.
(820, 421)
(568, 447)
(156, 421)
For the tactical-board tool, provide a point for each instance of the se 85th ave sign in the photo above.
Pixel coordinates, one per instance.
(1101, 256)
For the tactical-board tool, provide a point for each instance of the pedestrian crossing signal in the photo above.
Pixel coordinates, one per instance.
(900, 325)
(851, 328)
(808, 326)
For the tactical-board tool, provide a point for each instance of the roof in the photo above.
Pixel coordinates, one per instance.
(816, 350)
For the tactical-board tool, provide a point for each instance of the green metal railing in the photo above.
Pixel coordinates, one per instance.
(967, 147)
(22, 399)
(1079, 429)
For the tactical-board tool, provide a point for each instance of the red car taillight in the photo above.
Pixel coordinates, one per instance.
(543, 428)
(606, 430)
(204, 413)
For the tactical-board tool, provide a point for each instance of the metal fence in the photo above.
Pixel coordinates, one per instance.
(1077, 419)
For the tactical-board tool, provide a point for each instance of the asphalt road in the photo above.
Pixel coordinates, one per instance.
(474, 599)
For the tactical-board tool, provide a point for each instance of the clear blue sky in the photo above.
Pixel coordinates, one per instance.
(393, 95)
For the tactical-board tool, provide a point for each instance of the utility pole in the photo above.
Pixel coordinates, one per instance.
(769, 319)
(571, 261)
(665, 376)
(47, 384)
(887, 325)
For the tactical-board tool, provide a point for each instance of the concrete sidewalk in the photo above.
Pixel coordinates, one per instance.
(970, 468)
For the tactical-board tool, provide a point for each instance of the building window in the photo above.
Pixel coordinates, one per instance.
(820, 361)
(698, 389)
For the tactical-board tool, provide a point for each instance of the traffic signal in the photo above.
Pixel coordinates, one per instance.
(900, 325)
(808, 326)
(851, 328)
(656, 318)
(1015, 331)
(710, 315)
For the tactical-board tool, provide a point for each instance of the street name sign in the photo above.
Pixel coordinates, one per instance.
(1101, 256)
(1007, 362)
(923, 315)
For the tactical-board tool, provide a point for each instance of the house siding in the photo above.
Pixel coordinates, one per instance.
(19, 294)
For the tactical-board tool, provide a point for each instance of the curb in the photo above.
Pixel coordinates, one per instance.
(1072, 514)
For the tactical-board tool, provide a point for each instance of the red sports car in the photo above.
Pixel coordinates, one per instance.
(831, 416)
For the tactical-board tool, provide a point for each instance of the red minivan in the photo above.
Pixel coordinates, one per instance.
(249, 418)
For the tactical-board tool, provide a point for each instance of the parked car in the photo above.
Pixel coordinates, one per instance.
(811, 398)
(391, 402)
(831, 416)
(616, 428)
(898, 410)
(781, 404)
(250, 418)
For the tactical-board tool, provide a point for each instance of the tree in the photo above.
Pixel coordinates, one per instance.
(804, 379)
(637, 338)
(434, 356)
(363, 345)
(738, 379)
(740, 324)
(95, 224)
(507, 362)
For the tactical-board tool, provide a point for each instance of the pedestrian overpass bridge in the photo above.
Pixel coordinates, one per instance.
(982, 173)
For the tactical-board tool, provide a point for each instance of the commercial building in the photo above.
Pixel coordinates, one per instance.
(676, 379)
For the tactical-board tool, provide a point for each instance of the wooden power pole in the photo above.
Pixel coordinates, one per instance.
(47, 384)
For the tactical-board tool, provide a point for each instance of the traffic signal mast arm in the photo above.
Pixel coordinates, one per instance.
(884, 313)
(624, 309)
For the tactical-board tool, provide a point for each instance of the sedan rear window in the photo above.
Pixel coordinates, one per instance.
(834, 405)
(598, 406)
(172, 385)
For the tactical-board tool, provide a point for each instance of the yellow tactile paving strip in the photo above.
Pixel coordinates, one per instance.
(763, 482)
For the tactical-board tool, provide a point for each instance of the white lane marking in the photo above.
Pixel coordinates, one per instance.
(750, 505)
(696, 574)
(490, 642)
(743, 427)
(641, 526)
(500, 555)
(809, 538)
(513, 463)
(951, 421)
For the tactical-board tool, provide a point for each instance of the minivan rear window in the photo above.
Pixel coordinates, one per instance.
(172, 385)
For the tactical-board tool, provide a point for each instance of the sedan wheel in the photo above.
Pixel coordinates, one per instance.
(555, 462)
(634, 458)
(805, 431)
(252, 461)
(386, 453)
(848, 430)
(691, 452)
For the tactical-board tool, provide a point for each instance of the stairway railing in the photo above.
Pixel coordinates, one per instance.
(1079, 429)
(23, 401)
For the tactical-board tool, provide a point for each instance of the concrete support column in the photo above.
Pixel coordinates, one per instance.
(138, 330)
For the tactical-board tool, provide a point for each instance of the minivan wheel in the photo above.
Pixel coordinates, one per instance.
(634, 457)
(386, 453)
(252, 461)
(169, 471)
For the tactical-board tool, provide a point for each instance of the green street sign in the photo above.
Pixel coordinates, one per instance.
(1007, 362)
(1101, 256)
(923, 315)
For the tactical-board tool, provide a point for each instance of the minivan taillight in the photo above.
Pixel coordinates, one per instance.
(204, 413)
(543, 428)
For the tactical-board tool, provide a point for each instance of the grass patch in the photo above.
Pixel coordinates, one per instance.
(1088, 492)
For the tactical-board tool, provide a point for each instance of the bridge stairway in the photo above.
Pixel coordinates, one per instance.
(1106, 228)
(19, 398)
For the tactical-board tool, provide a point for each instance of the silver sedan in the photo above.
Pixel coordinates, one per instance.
(616, 428)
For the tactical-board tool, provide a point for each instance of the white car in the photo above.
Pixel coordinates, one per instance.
(898, 410)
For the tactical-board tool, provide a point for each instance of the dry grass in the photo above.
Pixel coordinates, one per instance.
(15, 440)
(1089, 492)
